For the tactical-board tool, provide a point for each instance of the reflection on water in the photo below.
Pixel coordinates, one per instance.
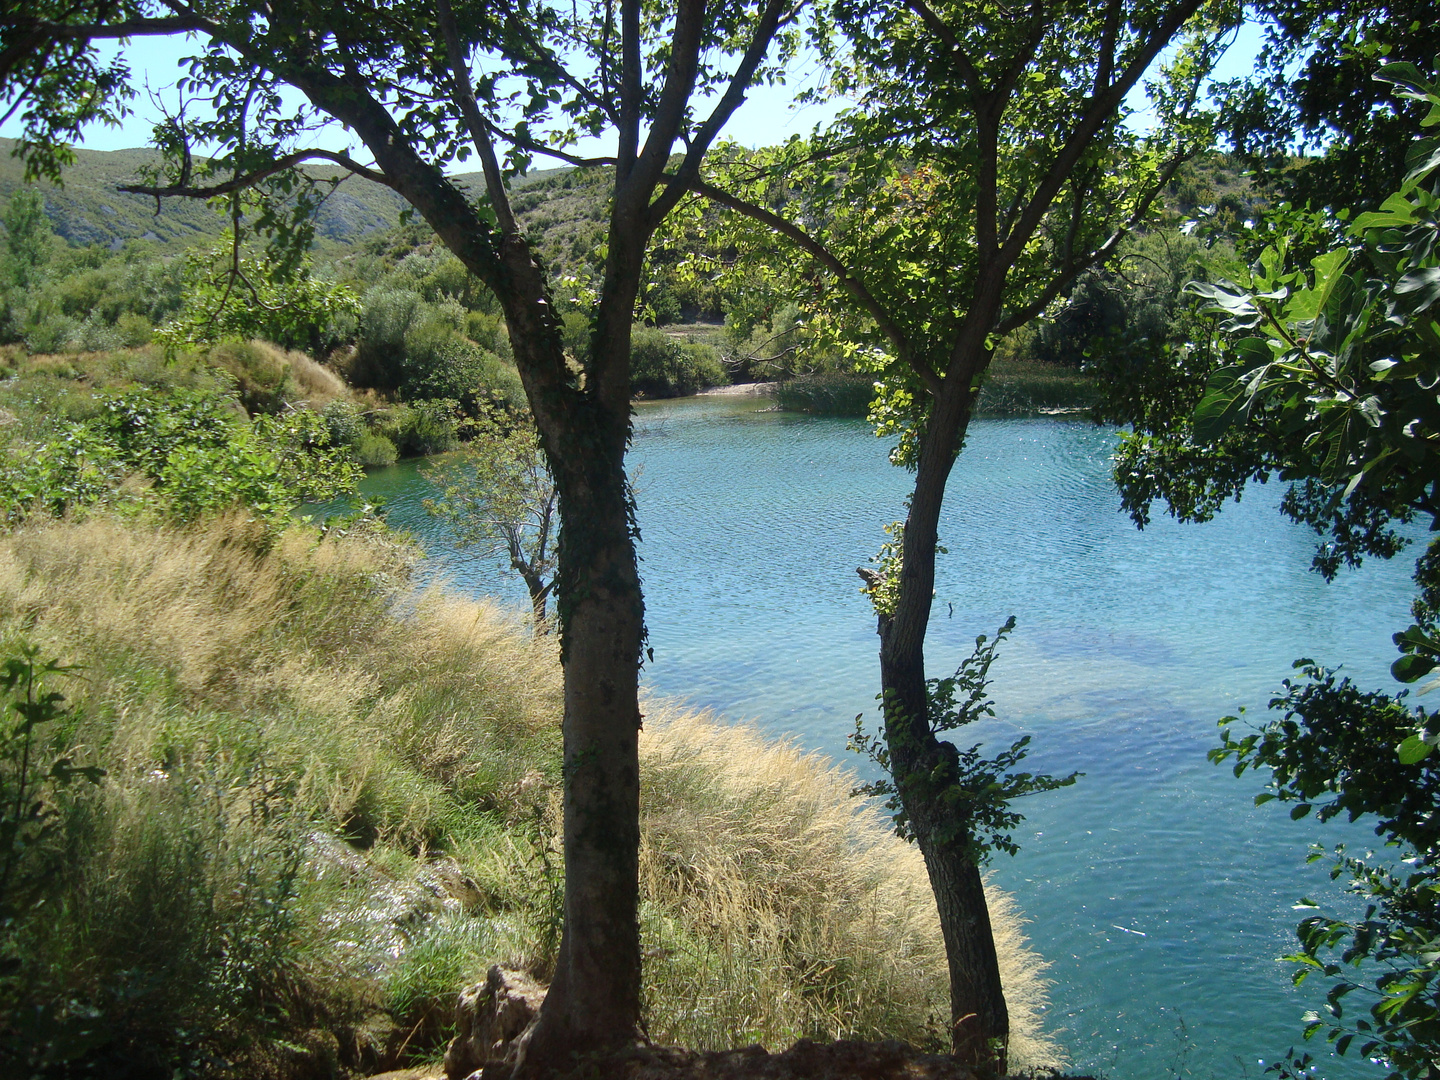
(1159, 893)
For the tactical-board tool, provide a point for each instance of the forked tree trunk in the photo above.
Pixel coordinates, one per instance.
(594, 997)
(922, 765)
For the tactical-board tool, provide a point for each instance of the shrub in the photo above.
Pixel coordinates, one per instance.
(421, 428)
(374, 451)
(191, 452)
(387, 316)
(50, 333)
(663, 367)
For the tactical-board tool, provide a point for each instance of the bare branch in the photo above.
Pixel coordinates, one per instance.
(549, 151)
(186, 190)
(631, 90)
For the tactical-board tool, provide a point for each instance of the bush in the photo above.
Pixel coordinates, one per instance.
(50, 333)
(421, 428)
(373, 451)
(190, 451)
(663, 367)
(387, 316)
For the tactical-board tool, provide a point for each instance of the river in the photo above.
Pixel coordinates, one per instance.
(1159, 894)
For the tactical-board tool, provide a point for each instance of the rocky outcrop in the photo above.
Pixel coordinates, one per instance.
(491, 1018)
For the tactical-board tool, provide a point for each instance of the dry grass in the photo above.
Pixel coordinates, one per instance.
(775, 905)
(784, 908)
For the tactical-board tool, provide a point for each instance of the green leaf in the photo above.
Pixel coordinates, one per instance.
(1412, 667)
(1414, 749)
(1421, 159)
(1222, 403)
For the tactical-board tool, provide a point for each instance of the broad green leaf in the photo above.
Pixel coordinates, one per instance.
(1414, 749)
(1223, 402)
(1412, 667)
(1420, 287)
(1421, 159)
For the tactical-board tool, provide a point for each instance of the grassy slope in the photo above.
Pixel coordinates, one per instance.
(252, 696)
(88, 209)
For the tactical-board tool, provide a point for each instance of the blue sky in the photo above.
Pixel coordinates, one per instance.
(767, 116)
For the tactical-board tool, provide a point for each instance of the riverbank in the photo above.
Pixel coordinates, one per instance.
(330, 802)
(1011, 388)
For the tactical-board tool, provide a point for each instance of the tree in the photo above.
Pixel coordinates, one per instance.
(1325, 376)
(987, 167)
(497, 495)
(422, 84)
(1315, 90)
(27, 237)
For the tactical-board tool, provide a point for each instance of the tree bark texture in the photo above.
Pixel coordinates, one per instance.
(923, 765)
(594, 997)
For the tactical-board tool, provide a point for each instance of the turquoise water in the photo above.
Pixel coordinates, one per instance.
(1160, 895)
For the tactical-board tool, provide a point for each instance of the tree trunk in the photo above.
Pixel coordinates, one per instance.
(594, 997)
(923, 766)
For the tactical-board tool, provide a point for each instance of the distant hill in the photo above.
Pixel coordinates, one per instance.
(87, 208)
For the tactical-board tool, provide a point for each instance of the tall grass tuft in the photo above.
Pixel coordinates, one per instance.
(293, 740)
(781, 908)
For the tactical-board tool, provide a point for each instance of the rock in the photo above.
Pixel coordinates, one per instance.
(490, 1016)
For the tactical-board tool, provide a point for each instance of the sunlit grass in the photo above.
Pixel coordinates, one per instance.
(249, 691)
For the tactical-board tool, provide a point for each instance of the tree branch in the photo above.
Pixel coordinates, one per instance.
(675, 92)
(549, 151)
(1072, 268)
(186, 190)
(470, 111)
(631, 91)
(1099, 108)
(771, 20)
(546, 59)
(826, 258)
(968, 71)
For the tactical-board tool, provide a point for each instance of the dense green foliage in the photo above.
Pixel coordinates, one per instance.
(183, 452)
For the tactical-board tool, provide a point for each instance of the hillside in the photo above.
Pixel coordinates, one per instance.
(88, 209)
